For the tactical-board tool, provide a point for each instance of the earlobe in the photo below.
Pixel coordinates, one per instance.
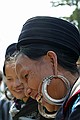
(53, 58)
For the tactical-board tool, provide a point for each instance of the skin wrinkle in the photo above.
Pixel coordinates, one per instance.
(37, 71)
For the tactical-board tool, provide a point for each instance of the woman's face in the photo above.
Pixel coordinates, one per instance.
(31, 73)
(13, 83)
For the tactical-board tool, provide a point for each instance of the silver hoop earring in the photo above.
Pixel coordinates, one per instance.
(46, 82)
(44, 114)
(8, 95)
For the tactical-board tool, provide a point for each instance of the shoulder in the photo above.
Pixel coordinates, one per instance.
(4, 101)
(26, 113)
(75, 111)
(4, 109)
(76, 103)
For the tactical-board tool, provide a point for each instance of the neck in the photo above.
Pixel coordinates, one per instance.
(25, 99)
(70, 76)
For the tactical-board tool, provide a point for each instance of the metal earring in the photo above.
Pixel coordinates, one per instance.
(46, 82)
(44, 114)
(8, 95)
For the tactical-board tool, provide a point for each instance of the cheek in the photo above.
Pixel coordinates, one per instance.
(33, 84)
(9, 85)
(34, 81)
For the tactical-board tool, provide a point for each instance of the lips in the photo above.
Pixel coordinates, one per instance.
(33, 94)
(19, 90)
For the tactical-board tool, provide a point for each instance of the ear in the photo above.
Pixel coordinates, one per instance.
(53, 58)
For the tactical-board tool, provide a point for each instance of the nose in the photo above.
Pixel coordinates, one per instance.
(20, 79)
(17, 83)
(27, 91)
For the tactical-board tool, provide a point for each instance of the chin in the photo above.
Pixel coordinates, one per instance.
(19, 97)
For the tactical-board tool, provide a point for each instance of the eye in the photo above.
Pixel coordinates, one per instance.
(9, 79)
(26, 76)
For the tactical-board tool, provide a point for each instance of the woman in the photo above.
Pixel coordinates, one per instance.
(46, 64)
(23, 107)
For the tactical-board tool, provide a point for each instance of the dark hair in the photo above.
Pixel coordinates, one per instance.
(9, 54)
(35, 51)
(9, 59)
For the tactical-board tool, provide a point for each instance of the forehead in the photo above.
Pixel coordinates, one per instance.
(10, 64)
(10, 69)
(23, 61)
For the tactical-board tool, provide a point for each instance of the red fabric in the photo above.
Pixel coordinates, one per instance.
(70, 100)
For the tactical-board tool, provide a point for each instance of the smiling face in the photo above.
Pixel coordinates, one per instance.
(32, 72)
(13, 83)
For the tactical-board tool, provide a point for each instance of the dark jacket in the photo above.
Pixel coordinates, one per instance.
(70, 110)
(27, 111)
(4, 109)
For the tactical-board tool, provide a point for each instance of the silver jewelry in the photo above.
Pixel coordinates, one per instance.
(46, 82)
(8, 95)
(39, 98)
(44, 114)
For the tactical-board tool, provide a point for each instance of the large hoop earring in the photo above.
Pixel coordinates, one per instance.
(44, 114)
(46, 82)
(8, 95)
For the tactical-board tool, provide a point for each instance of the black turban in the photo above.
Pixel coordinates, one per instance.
(52, 31)
(11, 49)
